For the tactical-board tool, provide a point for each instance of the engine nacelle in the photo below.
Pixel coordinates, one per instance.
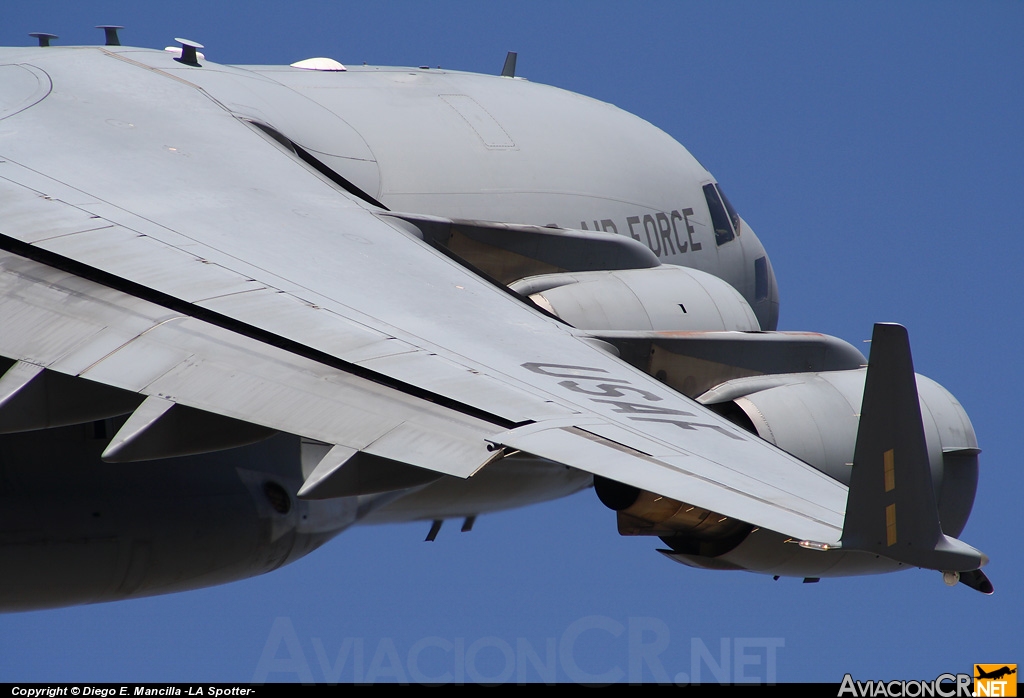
(815, 416)
(75, 530)
(661, 298)
(684, 526)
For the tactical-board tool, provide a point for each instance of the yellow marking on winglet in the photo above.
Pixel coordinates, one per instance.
(890, 525)
(890, 470)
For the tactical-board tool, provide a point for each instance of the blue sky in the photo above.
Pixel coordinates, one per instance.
(876, 149)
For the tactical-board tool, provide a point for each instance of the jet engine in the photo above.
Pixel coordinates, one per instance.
(815, 416)
(660, 298)
(803, 393)
(681, 525)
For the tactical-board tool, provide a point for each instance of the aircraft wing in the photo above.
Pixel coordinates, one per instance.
(155, 242)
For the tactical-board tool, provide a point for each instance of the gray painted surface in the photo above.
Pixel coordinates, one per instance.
(206, 237)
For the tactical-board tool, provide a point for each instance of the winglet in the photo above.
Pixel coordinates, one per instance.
(891, 509)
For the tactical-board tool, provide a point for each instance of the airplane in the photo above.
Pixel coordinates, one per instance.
(245, 308)
(995, 673)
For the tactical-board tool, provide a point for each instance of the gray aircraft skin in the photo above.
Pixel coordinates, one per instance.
(313, 296)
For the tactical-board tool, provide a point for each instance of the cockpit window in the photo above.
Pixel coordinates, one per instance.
(733, 216)
(719, 216)
(761, 278)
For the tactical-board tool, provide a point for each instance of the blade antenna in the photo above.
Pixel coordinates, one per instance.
(509, 69)
(44, 38)
(189, 54)
(110, 37)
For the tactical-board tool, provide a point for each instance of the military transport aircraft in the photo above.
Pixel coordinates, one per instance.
(317, 295)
